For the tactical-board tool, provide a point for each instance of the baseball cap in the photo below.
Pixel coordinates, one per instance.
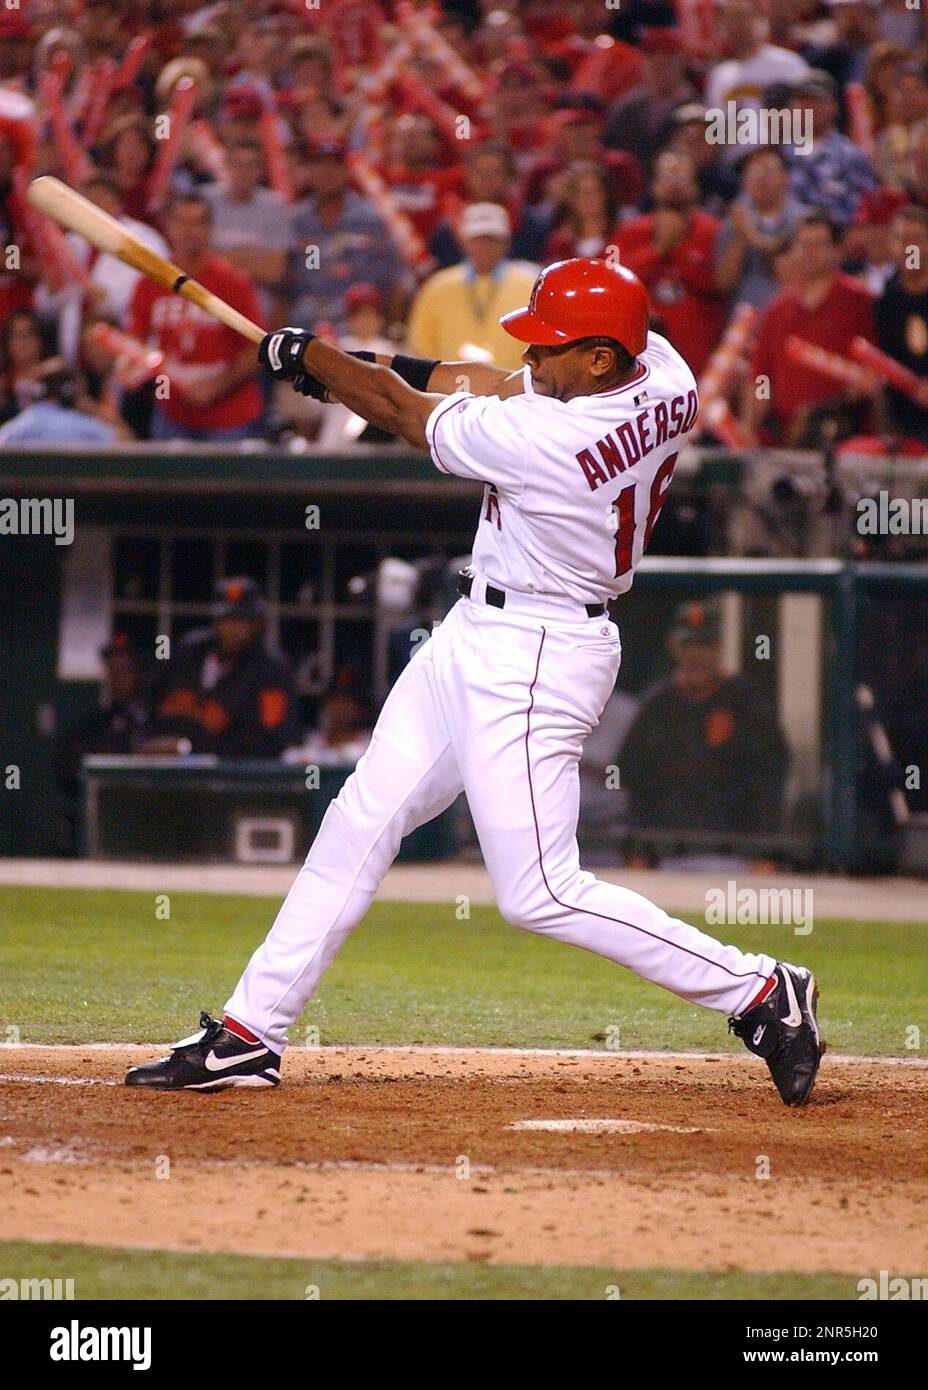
(484, 219)
(697, 621)
(239, 597)
(363, 296)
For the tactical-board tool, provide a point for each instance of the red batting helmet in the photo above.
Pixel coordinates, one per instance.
(583, 298)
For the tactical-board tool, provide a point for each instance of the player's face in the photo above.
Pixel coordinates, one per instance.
(568, 371)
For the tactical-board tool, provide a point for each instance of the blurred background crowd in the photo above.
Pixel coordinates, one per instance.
(393, 174)
(390, 172)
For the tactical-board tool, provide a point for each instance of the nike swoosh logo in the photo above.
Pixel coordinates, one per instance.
(214, 1063)
(794, 1018)
(759, 1032)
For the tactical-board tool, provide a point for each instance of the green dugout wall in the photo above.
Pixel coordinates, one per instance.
(226, 508)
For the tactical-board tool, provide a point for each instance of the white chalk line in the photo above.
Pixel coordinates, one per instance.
(42, 1080)
(67, 1154)
(592, 1125)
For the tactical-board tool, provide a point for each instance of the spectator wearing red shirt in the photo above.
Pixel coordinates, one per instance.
(673, 251)
(515, 111)
(820, 305)
(16, 286)
(214, 393)
(585, 222)
(576, 136)
(572, 32)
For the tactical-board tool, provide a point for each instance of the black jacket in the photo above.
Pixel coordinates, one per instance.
(717, 764)
(249, 711)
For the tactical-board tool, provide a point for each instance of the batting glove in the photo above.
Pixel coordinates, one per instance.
(281, 352)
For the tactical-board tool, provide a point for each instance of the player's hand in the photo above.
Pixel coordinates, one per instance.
(307, 385)
(281, 352)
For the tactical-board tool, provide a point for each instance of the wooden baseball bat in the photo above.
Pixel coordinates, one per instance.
(78, 214)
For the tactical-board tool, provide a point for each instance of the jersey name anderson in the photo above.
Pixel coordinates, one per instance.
(632, 440)
(572, 489)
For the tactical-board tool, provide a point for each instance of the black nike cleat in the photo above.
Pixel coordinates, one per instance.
(784, 1031)
(209, 1061)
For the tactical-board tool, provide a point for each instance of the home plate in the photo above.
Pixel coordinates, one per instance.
(603, 1126)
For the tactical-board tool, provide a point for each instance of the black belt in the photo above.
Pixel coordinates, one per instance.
(496, 598)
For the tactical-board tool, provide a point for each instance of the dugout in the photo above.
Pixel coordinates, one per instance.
(154, 527)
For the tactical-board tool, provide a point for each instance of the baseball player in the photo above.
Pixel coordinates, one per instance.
(576, 453)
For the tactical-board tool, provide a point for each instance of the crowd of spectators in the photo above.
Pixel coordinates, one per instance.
(396, 173)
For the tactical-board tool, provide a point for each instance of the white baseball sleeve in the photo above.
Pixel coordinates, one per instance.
(481, 437)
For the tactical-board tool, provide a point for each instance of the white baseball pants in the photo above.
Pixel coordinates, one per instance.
(497, 704)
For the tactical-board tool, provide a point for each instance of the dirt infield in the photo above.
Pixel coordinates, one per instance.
(411, 1153)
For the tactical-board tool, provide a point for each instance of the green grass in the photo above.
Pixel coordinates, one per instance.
(103, 1273)
(80, 965)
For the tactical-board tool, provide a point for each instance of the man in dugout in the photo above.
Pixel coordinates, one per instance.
(705, 752)
(224, 692)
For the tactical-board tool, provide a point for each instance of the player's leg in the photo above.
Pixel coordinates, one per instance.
(407, 776)
(521, 774)
(520, 764)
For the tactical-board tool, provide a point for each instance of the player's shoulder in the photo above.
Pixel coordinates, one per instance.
(665, 367)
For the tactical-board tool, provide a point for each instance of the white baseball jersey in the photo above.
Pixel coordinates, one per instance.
(572, 488)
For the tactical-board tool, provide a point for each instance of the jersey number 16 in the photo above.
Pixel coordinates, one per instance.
(625, 515)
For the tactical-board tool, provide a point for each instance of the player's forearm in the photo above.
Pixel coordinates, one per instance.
(371, 390)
